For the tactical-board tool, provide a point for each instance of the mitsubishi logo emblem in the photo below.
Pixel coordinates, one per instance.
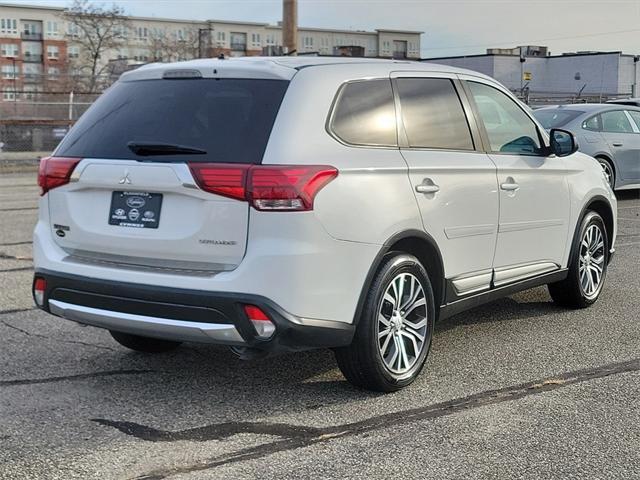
(125, 180)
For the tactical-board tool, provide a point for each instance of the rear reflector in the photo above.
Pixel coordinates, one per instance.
(39, 287)
(266, 187)
(55, 171)
(260, 320)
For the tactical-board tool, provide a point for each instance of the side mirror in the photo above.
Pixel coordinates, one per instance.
(563, 142)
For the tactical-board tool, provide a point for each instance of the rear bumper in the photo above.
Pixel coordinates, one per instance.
(185, 315)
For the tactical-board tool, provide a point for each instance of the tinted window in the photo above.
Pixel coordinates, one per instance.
(636, 117)
(231, 119)
(555, 118)
(615, 122)
(592, 123)
(365, 114)
(509, 129)
(432, 114)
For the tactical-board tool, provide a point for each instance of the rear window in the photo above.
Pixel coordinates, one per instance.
(555, 118)
(229, 119)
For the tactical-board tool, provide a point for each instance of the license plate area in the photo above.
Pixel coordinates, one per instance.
(135, 209)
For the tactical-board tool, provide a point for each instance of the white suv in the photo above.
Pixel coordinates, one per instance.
(282, 204)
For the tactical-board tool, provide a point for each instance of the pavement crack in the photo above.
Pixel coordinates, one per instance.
(295, 437)
(81, 376)
(74, 342)
(16, 310)
(6, 256)
(18, 269)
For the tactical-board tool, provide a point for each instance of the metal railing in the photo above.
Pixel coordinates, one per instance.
(31, 36)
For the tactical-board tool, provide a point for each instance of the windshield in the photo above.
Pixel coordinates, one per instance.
(228, 119)
(555, 118)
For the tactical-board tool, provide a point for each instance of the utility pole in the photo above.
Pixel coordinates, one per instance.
(634, 87)
(290, 26)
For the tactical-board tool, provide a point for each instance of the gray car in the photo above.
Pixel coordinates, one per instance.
(608, 132)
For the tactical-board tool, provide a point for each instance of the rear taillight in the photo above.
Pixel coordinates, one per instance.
(260, 320)
(39, 287)
(266, 187)
(55, 172)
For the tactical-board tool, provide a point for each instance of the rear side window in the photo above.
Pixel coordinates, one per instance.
(636, 116)
(432, 114)
(229, 119)
(592, 123)
(615, 122)
(364, 114)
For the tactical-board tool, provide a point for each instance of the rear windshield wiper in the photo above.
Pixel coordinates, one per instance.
(145, 149)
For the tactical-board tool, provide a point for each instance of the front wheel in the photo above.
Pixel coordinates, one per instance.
(587, 265)
(394, 332)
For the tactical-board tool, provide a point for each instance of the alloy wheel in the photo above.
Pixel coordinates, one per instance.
(592, 261)
(608, 171)
(402, 324)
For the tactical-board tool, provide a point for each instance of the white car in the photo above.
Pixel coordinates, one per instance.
(282, 204)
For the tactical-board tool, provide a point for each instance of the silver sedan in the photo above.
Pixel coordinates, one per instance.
(608, 132)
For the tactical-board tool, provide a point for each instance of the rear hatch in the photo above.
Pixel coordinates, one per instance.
(133, 200)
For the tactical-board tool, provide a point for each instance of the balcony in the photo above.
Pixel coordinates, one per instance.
(31, 36)
(32, 58)
(31, 77)
(239, 47)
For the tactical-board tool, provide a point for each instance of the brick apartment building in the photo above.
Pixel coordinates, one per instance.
(38, 51)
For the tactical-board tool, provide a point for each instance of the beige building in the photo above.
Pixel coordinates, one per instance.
(37, 45)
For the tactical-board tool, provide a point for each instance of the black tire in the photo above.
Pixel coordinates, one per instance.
(362, 362)
(607, 166)
(570, 291)
(143, 344)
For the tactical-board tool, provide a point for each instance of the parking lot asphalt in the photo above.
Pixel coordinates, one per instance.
(518, 388)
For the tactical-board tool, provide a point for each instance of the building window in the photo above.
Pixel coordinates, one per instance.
(53, 52)
(307, 42)
(52, 28)
(180, 34)
(221, 36)
(73, 30)
(53, 72)
(255, 39)
(73, 51)
(10, 71)
(8, 93)
(29, 92)
(142, 33)
(8, 25)
(270, 39)
(9, 50)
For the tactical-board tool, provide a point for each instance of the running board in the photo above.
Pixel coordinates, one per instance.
(467, 303)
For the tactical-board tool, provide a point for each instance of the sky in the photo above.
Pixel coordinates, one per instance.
(453, 27)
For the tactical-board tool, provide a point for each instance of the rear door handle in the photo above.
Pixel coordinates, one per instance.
(427, 186)
(617, 144)
(509, 186)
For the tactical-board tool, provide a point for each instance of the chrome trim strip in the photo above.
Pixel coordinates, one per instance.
(178, 266)
(519, 226)
(474, 283)
(506, 275)
(148, 326)
(469, 231)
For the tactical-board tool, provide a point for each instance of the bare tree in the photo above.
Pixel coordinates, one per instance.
(171, 47)
(97, 30)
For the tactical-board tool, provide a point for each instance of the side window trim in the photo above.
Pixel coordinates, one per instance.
(332, 111)
(403, 138)
(633, 123)
(481, 127)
